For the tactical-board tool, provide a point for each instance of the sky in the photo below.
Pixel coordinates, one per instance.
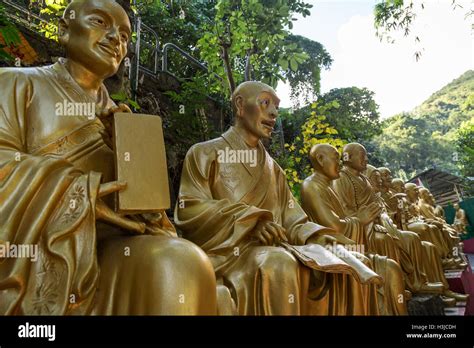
(346, 29)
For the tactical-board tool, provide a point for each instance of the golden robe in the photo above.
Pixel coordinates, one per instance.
(424, 255)
(219, 205)
(322, 206)
(433, 269)
(428, 212)
(428, 232)
(51, 167)
(356, 192)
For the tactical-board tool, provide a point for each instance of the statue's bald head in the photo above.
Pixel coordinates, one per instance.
(354, 155)
(424, 193)
(249, 90)
(255, 107)
(325, 159)
(386, 175)
(353, 147)
(409, 186)
(95, 34)
(75, 6)
(320, 150)
(371, 170)
(398, 185)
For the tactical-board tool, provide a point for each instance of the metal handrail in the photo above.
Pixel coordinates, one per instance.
(25, 11)
(164, 62)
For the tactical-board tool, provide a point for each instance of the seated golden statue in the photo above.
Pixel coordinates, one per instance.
(384, 238)
(55, 170)
(428, 275)
(422, 256)
(323, 206)
(460, 219)
(355, 191)
(408, 218)
(448, 242)
(235, 203)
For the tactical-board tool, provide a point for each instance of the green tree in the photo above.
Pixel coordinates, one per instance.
(10, 35)
(314, 130)
(357, 118)
(465, 147)
(398, 15)
(250, 40)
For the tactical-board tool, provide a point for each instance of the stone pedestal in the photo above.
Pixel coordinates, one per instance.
(425, 305)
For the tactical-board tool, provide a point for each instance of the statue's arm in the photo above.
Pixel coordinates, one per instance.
(317, 204)
(213, 224)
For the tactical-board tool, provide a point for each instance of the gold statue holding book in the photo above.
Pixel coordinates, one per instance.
(56, 172)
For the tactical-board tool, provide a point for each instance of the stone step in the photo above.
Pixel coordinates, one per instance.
(455, 311)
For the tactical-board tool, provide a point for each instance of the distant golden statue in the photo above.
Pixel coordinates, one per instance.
(460, 219)
(55, 170)
(426, 258)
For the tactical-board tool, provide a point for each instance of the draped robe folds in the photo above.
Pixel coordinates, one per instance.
(356, 192)
(424, 255)
(428, 212)
(427, 232)
(219, 205)
(51, 167)
(323, 206)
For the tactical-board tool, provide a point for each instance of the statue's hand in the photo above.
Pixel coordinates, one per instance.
(369, 213)
(107, 118)
(379, 228)
(269, 233)
(103, 212)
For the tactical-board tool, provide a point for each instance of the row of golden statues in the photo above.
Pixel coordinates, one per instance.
(242, 228)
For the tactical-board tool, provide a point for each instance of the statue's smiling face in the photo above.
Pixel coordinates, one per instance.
(261, 113)
(97, 36)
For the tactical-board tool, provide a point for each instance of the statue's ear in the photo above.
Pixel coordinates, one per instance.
(63, 32)
(320, 159)
(239, 106)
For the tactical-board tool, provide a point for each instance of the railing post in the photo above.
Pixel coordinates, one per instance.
(138, 25)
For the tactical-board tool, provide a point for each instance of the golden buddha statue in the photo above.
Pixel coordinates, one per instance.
(55, 171)
(235, 203)
(460, 219)
(417, 210)
(428, 269)
(355, 191)
(438, 209)
(408, 218)
(323, 206)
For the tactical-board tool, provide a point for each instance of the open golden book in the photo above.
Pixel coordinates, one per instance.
(336, 260)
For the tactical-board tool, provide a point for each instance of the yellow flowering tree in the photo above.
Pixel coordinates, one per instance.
(315, 130)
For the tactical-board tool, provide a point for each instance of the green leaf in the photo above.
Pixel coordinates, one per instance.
(283, 63)
(293, 64)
